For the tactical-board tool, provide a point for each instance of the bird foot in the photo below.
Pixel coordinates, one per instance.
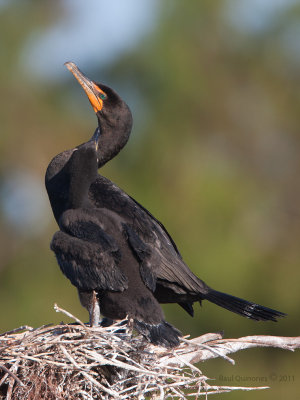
(94, 311)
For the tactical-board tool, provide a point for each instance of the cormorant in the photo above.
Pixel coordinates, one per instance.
(117, 254)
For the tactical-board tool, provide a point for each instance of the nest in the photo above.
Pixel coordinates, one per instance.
(74, 361)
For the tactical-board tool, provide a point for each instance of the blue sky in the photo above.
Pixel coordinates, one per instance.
(254, 15)
(98, 31)
(92, 31)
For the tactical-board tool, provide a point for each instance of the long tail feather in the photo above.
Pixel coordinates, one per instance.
(243, 307)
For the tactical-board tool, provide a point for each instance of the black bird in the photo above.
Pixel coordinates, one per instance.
(117, 254)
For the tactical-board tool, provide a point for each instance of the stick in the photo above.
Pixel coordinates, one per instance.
(58, 309)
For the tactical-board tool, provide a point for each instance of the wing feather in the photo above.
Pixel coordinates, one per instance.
(87, 255)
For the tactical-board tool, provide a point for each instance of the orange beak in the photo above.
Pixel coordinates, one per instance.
(94, 93)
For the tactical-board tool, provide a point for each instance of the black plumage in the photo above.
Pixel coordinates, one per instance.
(112, 249)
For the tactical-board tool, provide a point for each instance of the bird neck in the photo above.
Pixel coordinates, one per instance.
(82, 171)
(115, 128)
(68, 179)
(77, 193)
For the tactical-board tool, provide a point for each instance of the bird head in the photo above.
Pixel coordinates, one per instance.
(114, 116)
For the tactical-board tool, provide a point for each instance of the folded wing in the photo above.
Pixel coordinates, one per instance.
(86, 254)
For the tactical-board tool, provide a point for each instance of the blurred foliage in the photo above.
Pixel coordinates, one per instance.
(214, 154)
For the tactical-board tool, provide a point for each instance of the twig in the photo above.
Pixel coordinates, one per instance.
(12, 380)
(86, 375)
(227, 346)
(58, 309)
(9, 372)
(212, 349)
(16, 330)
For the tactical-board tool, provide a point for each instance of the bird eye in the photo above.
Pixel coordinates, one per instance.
(102, 96)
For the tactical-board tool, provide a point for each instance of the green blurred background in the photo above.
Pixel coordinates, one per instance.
(214, 153)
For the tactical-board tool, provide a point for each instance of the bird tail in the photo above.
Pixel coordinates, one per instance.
(243, 307)
(162, 334)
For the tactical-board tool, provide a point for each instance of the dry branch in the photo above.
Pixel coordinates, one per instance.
(77, 362)
(195, 350)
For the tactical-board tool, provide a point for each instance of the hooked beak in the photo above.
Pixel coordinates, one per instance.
(94, 93)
